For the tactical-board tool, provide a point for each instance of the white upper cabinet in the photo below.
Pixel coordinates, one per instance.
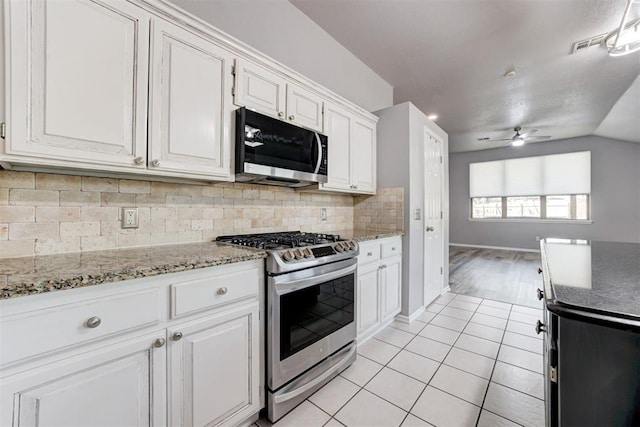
(259, 89)
(78, 81)
(190, 103)
(304, 108)
(351, 152)
(262, 90)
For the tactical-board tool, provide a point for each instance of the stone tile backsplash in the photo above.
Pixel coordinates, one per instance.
(50, 213)
(382, 212)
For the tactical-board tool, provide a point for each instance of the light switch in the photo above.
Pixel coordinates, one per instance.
(416, 213)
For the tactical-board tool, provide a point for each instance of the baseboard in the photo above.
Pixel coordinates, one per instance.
(445, 290)
(413, 316)
(501, 248)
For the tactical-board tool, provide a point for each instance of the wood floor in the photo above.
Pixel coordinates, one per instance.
(508, 276)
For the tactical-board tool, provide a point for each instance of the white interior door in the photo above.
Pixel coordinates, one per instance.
(433, 233)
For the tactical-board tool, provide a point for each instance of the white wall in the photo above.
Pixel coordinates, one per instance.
(615, 196)
(278, 29)
(401, 164)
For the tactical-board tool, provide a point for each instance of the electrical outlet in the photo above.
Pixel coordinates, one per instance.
(129, 217)
(323, 214)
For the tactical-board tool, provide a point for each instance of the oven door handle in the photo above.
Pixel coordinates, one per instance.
(317, 380)
(286, 287)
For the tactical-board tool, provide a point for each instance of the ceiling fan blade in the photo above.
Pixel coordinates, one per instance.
(526, 134)
(495, 140)
(536, 138)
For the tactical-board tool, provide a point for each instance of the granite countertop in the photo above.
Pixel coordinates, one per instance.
(47, 273)
(595, 276)
(363, 235)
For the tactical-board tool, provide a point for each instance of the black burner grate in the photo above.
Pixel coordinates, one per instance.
(285, 239)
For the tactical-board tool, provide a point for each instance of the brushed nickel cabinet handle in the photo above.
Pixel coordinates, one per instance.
(280, 114)
(139, 160)
(155, 163)
(93, 322)
(222, 291)
(177, 336)
(159, 342)
(291, 117)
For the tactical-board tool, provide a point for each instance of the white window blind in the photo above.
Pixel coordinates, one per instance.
(532, 176)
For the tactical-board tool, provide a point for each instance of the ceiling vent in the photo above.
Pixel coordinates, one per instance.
(583, 45)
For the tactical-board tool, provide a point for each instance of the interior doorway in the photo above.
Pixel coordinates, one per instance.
(433, 218)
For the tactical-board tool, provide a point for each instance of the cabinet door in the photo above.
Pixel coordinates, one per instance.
(119, 385)
(304, 108)
(214, 374)
(260, 89)
(363, 156)
(337, 126)
(391, 278)
(190, 103)
(78, 81)
(368, 300)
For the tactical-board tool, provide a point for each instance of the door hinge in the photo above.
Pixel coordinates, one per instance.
(3, 130)
(233, 70)
(441, 270)
(233, 91)
(440, 159)
(440, 214)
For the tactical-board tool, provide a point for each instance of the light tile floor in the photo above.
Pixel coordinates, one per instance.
(465, 361)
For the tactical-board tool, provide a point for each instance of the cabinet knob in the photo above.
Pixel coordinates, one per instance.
(291, 117)
(159, 342)
(280, 114)
(222, 291)
(369, 253)
(177, 336)
(93, 322)
(139, 160)
(540, 294)
(539, 270)
(540, 327)
(155, 163)
(393, 248)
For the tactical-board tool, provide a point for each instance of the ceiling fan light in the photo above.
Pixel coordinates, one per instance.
(517, 142)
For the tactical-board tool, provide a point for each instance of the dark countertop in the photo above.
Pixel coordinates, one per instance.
(47, 273)
(594, 276)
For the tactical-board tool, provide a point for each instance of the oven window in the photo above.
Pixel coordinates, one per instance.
(310, 314)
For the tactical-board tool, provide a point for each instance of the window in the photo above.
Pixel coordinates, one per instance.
(554, 187)
(554, 207)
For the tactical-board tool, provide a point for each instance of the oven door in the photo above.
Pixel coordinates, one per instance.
(310, 315)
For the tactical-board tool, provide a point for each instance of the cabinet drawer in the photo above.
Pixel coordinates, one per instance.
(31, 334)
(369, 252)
(391, 247)
(209, 292)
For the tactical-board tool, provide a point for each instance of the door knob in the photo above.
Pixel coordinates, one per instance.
(430, 229)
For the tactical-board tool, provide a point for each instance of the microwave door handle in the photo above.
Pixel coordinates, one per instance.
(319, 152)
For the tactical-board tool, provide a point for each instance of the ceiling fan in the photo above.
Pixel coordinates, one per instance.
(520, 138)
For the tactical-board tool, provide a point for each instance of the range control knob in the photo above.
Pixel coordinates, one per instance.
(307, 253)
(339, 247)
(352, 245)
(298, 253)
(288, 256)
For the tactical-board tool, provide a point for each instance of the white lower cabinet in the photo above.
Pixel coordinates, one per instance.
(213, 364)
(203, 369)
(379, 285)
(122, 384)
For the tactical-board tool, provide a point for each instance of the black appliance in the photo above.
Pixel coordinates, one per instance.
(270, 151)
(310, 312)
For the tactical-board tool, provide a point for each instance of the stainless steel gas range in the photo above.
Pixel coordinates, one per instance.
(310, 306)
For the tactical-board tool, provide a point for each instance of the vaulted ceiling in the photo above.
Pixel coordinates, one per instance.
(449, 57)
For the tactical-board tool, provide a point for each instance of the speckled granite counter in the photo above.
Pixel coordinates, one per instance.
(594, 276)
(47, 273)
(363, 235)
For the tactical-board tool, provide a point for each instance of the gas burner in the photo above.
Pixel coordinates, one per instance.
(282, 240)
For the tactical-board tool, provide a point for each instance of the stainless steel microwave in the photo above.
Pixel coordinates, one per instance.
(271, 151)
